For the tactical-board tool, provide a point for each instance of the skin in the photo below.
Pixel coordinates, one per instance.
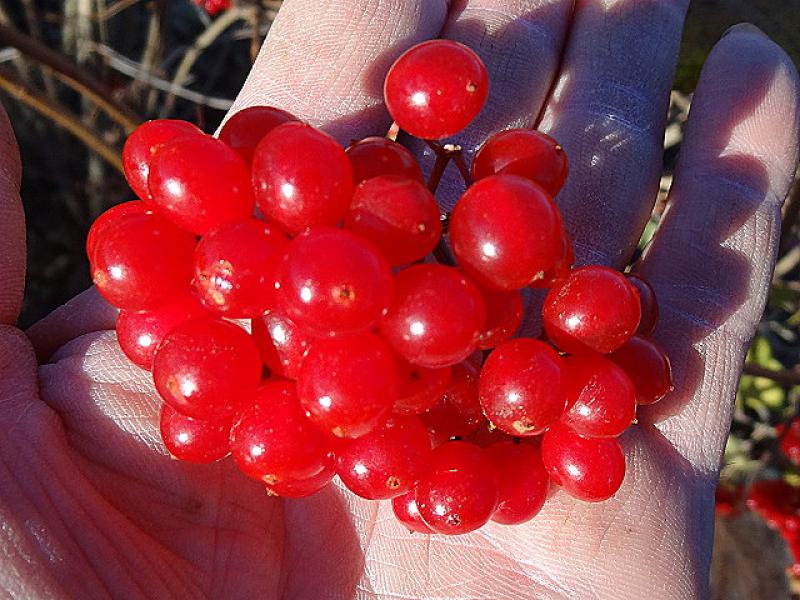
(91, 506)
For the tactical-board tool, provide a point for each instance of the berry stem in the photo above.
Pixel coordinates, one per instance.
(394, 131)
(442, 159)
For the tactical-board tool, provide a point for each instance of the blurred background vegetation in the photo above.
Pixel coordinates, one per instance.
(77, 75)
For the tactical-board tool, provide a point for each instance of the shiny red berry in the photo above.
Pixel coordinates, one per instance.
(601, 398)
(386, 462)
(283, 345)
(140, 332)
(301, 488)
(595, 308)
(436, 316)
(334, 282)
(236, 268)
(420, 388)
(274, 442)
(503, 317)
(406, 511)
(142, 144)
(506, 232)
(458, 411)
(561, 269)
(522, 387)
(647, 297)
(207, 368)
(436, 89)
(397, 214)
(348, 385)
(524, 152)
(247, 127)
(647, 366)
(193, 440)
(113, 215)
(459, 490)
(302, 177)
(524, 482)
(376, 156)
(199, 183)
(142, 262)
(588, 469)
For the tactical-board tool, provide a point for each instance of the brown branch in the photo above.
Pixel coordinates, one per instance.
(787, 377)
(69, 74)
(59, 115)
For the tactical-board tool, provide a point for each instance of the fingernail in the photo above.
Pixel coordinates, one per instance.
(745, 28)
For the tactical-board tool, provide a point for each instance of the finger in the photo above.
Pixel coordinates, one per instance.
(520, 42)
(325, 61)
(12, 225)
(711, 259)
(86, 313)
(608, 110)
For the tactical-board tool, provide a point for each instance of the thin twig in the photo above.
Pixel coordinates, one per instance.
(784, 376)
(59, 115)
(70, 74)
(117, 8)
(203, 41)
(131, 68)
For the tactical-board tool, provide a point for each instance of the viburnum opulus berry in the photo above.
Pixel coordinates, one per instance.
(309, 310)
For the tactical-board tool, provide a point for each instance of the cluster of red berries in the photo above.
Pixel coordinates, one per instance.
(212, 7)
(322, 338)
(775, 500)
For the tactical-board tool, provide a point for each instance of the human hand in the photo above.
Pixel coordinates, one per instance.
(91, 506)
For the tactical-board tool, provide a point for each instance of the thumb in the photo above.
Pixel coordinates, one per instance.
(12, 226)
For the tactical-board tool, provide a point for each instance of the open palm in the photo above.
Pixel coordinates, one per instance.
(91, 505)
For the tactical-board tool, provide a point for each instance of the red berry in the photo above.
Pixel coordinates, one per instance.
(275, 443)
(141, 145)
(300, 488)
(236, 268)
(112, 216)
(386, 462)
(506, 232)
(647, 366)
(398, 215)
(777, 502)
(588, 469)
(649, 304)
(406, 511)
(595, 308)
(207, 368)
(199, 183)
(436, 316)
(503, 317)
(247, 127)
(524, 483)
(213, 7)
(459, 491)
(140, 333)
(522, 387)
(789, 437)
(561, 269)
(348, 385)
(334, 282)
(600, 396)
(727, 500)
(283, 346)
(458, 411)
(436, 89)
(302, 177)
(420, 388)
(193, 440)
(142, 262)
(524, 152)
(376, 156)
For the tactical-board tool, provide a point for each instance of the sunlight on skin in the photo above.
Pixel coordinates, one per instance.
(90, 504)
